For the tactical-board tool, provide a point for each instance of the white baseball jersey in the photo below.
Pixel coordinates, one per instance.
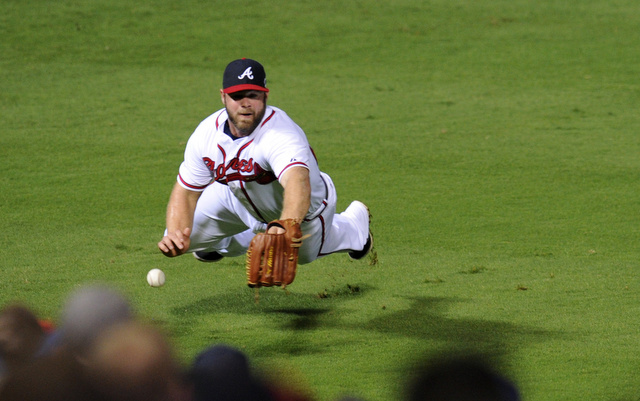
(251, 166)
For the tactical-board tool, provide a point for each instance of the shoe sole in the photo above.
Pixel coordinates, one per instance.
(207, 260)
(364, 253)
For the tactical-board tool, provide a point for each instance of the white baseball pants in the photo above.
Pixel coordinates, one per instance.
(223, 224)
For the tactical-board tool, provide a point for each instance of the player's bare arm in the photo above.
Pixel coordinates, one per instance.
(180, 209)
(272, 257)
(297, 194)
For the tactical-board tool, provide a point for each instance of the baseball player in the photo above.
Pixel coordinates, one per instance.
(247, 165)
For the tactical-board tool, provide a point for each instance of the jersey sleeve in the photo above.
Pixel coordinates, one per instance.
(289, 148)
(193, 173)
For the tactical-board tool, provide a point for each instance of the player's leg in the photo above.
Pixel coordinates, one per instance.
(221, 223)
(331, 232)
(349, 232)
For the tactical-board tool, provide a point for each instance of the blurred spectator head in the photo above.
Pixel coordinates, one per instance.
(222, 358)
(223, 373)
(133, 361)
(88, 312)
(21, 336)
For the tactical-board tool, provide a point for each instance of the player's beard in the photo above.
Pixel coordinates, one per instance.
(244, 125)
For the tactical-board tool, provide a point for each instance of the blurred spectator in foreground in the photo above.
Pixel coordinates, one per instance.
(460, 379)
(131, 362)
(21, 336)
(126, 362)
(55, 377)
(88, 312)
(223, 373)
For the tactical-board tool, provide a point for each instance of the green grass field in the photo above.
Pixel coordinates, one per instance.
(497, 144)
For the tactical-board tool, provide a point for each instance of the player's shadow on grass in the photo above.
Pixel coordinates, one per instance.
(426, 318)
(302, 318)
(289, 313)
(247, 302)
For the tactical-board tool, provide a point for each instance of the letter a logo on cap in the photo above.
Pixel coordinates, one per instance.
(246, 73)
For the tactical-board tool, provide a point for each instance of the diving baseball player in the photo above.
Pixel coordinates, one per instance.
(249, 164)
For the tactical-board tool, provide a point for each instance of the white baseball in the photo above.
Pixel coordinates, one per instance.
(155, 278)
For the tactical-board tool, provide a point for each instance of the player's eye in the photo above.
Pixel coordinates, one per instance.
(253, 95)
(237, 96)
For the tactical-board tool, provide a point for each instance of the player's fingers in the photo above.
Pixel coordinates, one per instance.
(166, 244)
(166, 247)
(179, 238)
(163, 248)
(185, 240)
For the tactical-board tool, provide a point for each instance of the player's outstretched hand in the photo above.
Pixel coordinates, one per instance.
(175, 243)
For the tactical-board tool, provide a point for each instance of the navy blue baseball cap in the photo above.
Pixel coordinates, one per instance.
(244, 74)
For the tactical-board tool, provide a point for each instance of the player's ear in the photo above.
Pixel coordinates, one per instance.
(222, 97)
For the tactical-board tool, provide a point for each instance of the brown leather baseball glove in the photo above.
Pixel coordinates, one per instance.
(272, 259)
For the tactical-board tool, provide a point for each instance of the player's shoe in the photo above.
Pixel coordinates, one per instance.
(357, 255)
(208, 256)
(360, 212)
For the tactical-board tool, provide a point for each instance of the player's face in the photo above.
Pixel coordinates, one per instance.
(245, 110)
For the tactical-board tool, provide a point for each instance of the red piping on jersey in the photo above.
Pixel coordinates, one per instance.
(194, 187)
(323, 234)
(313, 153)
(293, 164)
(243, 148)
(268, 118)
(246, 195)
